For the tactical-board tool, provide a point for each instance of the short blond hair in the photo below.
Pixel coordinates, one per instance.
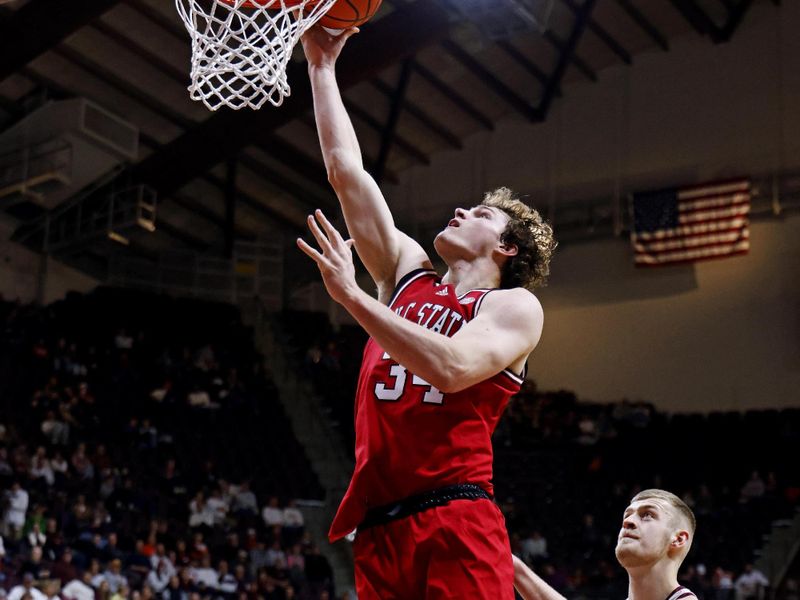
(532, 236)
(671, 499)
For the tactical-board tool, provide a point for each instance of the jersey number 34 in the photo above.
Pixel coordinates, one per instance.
(393, 391)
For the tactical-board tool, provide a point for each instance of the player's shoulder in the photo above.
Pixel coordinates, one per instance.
(513, 302)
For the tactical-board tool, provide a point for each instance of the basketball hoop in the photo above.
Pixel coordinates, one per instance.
(241, 48)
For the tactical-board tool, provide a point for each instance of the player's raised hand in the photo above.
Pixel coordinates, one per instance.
(334, 257)
(323, 48)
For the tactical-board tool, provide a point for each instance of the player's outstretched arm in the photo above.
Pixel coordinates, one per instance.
(530, 586)
(504, 332)
(386, 252)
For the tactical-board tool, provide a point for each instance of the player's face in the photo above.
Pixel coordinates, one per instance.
(646, 533)
(472, 233)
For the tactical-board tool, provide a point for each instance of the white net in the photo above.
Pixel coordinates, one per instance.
(241, 48)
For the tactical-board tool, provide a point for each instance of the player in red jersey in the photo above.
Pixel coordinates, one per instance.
(444, 356)
(656, 535)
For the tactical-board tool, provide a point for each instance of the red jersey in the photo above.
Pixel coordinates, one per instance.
(410, 437)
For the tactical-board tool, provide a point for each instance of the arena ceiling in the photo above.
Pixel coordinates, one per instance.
(420, 78)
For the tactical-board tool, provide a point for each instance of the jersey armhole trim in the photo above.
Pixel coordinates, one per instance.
(406, 279)
(513, 376)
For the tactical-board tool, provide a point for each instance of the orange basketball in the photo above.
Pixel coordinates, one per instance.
(349, 13)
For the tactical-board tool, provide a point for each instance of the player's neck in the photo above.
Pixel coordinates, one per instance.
(652, 582)
(466, 275)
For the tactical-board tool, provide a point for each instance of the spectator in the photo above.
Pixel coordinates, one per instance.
(64, 570)
(245, 503)
(17, 506)
(79, 589)
(226, 582)
(26, 588)
(534, 548)
(217, 507)
(751, 584)
(81, 464)
(275, 554)
(36, 537)
(114, 577)
(159, 577)
(722, 583)
(54, 429)
(34, 565)
(205, 575)
(160, 560)
(200, 514)
(754, 488)
(272, 514)
(40, 467)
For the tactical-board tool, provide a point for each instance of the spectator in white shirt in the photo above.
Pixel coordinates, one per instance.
(113, 575)
(217, 506)
(159, 576)
(272, 514)
(160, 560)
(200, 515)
(534, 547)
(26, 587)
(292, 517)
(17, 507)
(40, 467)
(79, 589)
(751, 584)
(205, 574)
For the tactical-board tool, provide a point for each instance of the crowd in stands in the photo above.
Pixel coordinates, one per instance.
(144, 454)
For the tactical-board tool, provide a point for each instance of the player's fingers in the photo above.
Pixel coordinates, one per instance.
(310, 251)
(350, 32)
(333, 234)
(324, 243)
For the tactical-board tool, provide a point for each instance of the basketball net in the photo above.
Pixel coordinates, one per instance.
(241, 48)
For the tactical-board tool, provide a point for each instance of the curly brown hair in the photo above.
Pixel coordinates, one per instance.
(532, 236)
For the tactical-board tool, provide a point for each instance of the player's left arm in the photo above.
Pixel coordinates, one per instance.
(504, 332)
(530, 586)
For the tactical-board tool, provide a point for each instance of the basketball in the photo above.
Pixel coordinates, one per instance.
(349, 13)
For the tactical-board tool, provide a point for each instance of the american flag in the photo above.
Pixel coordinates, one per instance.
(694, 223)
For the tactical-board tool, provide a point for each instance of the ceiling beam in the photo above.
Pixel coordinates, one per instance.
(705, 25)
(601, 33)
(530, 66)
(454, 97)
(490, 80)
(579, 26)
(579, 63)
(51, 20)
(735, 16)
(644, 24)
(398, 99)
(694, 15)
(403, 144)
(444, 134)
